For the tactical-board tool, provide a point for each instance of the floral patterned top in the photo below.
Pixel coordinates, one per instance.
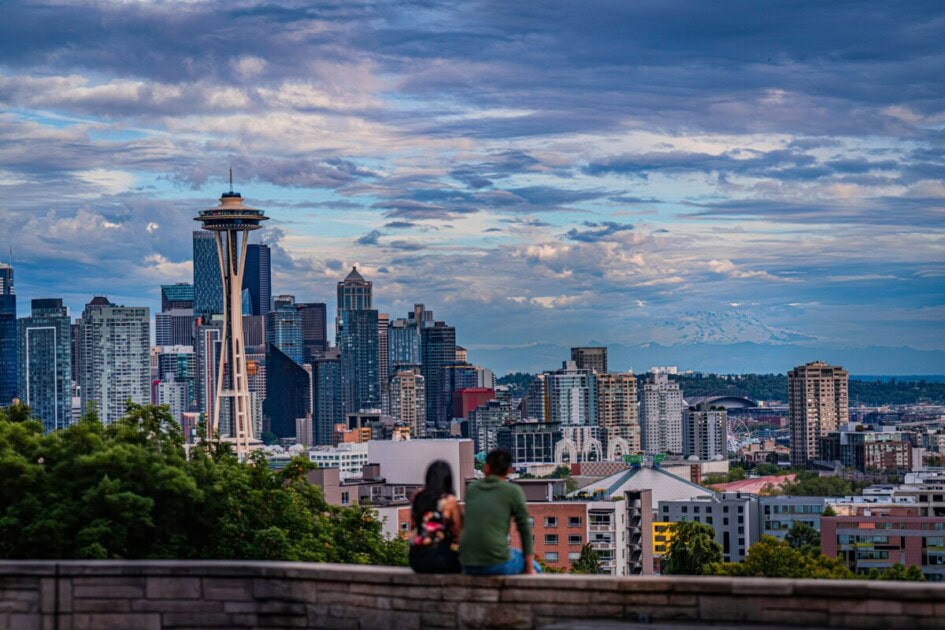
(435, 529)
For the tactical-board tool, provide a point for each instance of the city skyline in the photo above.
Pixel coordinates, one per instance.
(646, 186)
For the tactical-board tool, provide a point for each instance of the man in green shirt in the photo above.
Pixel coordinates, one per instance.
(491, 504)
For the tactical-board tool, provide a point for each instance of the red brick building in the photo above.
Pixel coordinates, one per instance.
(469, 398)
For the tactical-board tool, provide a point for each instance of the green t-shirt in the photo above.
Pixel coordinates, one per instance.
(491, 503)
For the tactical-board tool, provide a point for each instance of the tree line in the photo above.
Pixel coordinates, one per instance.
(127, 491)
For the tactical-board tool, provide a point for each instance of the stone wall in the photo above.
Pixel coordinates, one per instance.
(150, 595)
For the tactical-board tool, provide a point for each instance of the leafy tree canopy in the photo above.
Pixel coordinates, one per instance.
(693, 548)
(588, 563)
(126, 490)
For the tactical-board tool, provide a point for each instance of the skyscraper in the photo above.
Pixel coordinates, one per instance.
(179, 364)
(116, 357)
(590, 358)
(328, 396)
(408, 401)
(354, 293)
(257, 279)
(617, 409)
(438, 345)
(403, 345)
(45, 368)
(819, 403)
(661, 415)
(208, 286)
(357, 342)
(314, 328)
(572, 396)
(284, 328)
(208, 337)
(288, 392)
(9, 371)
(383, 322)
(535, 402)
(231, 223)
(174, 325)
(705, 432)
(177, 296)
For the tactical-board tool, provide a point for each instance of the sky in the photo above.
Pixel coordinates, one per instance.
(671, 172)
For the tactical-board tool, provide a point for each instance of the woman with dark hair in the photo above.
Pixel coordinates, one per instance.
(436, 522)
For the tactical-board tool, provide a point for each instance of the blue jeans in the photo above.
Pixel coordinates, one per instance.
(513, 566)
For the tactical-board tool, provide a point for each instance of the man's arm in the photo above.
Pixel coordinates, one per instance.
(520, 514)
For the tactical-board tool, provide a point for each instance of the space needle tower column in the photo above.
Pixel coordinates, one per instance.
(231, 221)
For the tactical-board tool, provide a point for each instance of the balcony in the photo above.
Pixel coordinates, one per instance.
(172, 594)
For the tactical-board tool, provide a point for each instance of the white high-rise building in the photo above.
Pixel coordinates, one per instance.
(571, 396)
(617, 413)
(705, 432)
(115, 359)
(661, 417)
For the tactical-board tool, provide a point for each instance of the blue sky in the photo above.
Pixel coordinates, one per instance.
(626, 172)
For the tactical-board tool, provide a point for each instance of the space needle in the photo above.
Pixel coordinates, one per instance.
(231, 221)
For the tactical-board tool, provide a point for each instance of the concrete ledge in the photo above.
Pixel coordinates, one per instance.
(75, 595)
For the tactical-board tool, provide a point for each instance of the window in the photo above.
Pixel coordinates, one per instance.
(574, 540)
(551, 521)
(725, 521)
(708, 519)
(665, 509)
(695, 510)
(574, 521)
(531, 522)
(574, 555)
(344, 498)
(551, 539)
(741, 509)
(741, 530)
(551, 556)
(725, 509)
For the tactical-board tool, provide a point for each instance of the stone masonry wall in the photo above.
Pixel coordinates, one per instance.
(169, 594)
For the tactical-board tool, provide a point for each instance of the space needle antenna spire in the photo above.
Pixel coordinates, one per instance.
(232, 222)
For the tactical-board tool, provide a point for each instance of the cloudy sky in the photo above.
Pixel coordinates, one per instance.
(627, 172)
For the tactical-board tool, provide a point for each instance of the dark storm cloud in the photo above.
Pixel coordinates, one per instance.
(399, 225)
(597, 232)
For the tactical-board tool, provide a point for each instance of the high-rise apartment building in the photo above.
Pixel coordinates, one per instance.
(572, 396)
(45, 366)
(705, 432)
(590, 358)
(485, 421)
(661, 412)
(819, 404)
(116, 357)
(284, 329)
(76, 352)
(438, 345)
(208, 285)
(328, 396)
(408, 401)
(9, 351)
(257, 279)
(357, 341)
(314, 328)
(175, 395)
(617, 409)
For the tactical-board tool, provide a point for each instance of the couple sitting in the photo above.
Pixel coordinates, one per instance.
(447, 541)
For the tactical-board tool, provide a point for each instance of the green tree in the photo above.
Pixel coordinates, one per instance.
(691, 549)
(829, 511)
(771, 557)
(899, 573)
(803, 537)
(766, 469)
(588, 563)
(127, 490)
